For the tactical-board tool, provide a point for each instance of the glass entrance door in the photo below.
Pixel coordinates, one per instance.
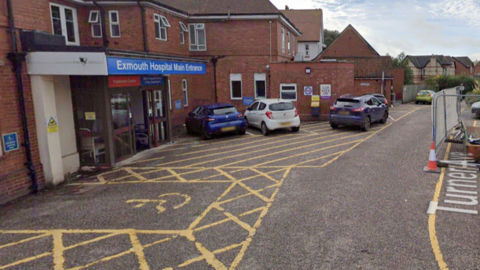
(123, 129)
(156, 116)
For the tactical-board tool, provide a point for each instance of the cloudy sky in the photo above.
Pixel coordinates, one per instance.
(416, 27)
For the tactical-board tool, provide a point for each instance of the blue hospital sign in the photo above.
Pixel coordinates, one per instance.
(132, 66)
(10, 142)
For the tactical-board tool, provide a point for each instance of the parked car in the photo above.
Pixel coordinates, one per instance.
(424, 96)
(359, 111)
(272, 114)
(476, 109)
(215, 119)
(380, 98)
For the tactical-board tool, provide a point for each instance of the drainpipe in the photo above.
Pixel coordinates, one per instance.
(104, 30)
(144, 27)
(214, 62)
(17, 59)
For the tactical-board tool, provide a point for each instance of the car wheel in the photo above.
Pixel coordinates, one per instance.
(295, 129)
(384, 119)
(265, 130)
(366, 124)
(242, 132)
(205, 134)
(189, 130)
(333, 125)
(246, 121)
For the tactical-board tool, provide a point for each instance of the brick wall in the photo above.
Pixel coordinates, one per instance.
(14, 180)
(338, 75)
(460, 69)
(398, 79)
(349, 43)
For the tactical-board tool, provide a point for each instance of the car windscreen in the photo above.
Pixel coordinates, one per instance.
(347, 103)
(423, 93)
(223, 110)
(282, 106)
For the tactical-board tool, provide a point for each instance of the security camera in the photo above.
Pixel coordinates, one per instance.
(267, 67)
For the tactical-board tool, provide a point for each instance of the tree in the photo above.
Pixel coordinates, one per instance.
(399, 62)
(330, 36)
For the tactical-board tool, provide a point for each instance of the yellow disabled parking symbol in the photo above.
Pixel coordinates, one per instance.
(52, 125)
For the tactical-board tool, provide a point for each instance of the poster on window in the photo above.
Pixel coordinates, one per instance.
(325, 91)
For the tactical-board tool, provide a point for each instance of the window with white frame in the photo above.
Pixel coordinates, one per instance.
(185, 92)
(288, 43)
(260, 85)
(288, 91)
(198, 39)
(161, 24)
(235, 86)
(307, 47)
(183, 30)
(64, 22)
(96, 23)
(283, 40)
(114, 23)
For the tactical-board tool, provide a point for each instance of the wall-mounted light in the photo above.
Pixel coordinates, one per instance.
(308, 70)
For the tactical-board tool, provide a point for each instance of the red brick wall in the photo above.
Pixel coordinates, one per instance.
(14, 180)
(398, 79)
(349, 44)
(460, 69)
(339, 75)
(477, 70)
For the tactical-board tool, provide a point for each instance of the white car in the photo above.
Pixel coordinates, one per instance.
(271, 114)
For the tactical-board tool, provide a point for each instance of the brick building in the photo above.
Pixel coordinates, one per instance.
(425, 66)
(373, 72)
(464, 66)
(95, 82)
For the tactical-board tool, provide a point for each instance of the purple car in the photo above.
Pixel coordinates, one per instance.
(215, 119)
(357, 111)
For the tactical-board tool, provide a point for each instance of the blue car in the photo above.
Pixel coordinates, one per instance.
(215, 119)
(359, 111)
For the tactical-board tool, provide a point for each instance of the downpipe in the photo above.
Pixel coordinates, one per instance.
(17, 59)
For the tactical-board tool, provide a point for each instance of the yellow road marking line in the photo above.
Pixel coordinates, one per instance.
(136, 175)
(25, 240)
(200, 258)
(311, 160)
(210, 257)
(235, 219)
(176, 175)
(247, 194)
(26, 260)
(431, 219)
(138, 249)
(58, 248)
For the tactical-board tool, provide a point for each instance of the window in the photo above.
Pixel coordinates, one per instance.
(260, 85)
(236, 86)
(198, 40)
(185, 92)
(283, 40)
(288, 91)
(170, 94)
(288, 42)
(64, 22)
(96, 24)
(307, 47)
(254, 106)
(183, 29)
(423, 71)
(262, 106)
(114, 23)
(161, 24)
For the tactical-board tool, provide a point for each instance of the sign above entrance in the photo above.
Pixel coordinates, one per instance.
(132, 66)
(126, 81)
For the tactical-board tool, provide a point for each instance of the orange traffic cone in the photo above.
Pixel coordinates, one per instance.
(432, 161)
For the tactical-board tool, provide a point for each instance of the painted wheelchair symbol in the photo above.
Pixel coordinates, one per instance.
(159, 202)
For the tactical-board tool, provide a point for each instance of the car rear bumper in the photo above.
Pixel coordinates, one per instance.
(286, 123)
(347, 120)
(219, 128)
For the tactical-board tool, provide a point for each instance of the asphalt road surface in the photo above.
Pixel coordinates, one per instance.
(316, 199)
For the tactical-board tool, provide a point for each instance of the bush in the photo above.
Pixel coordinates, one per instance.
(475, 91)
(446, 81)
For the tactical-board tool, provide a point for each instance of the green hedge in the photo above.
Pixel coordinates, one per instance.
(446, 81)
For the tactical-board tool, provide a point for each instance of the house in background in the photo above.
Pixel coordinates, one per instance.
(310, 23)
(464, 66)
(373, 72)
(425, 66)
(476, 68)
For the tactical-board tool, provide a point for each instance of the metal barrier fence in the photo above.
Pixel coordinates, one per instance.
(446, 114)
(410, 91)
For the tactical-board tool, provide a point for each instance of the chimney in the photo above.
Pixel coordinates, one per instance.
(286, 7)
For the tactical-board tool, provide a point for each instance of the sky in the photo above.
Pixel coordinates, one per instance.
(416, 27)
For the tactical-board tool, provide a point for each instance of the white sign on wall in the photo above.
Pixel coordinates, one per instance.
(325, 91)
